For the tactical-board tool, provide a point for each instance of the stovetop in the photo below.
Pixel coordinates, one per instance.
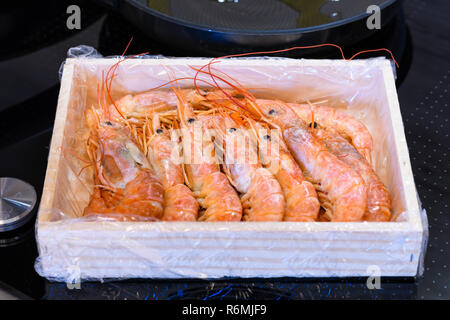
(27, 114)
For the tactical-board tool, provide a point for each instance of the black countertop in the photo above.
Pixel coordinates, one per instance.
(424, 96)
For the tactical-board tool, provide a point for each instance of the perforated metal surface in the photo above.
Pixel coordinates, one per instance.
(245, 15)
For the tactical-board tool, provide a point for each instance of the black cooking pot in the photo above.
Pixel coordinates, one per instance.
(219, 27)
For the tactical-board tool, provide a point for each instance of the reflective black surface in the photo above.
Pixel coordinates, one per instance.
(276, 289)
(273, 15)
(224, 27)
(25, 133)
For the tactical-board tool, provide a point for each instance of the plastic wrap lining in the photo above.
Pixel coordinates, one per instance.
(72, 246)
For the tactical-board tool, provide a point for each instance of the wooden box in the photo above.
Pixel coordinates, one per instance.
(71, 247)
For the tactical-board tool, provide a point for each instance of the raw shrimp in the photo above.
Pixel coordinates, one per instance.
(141, 105)
(346, 125)
(211, 187)
(126, 187)
(146, 103)
(345, 187)
(301, 197)
(378, 199)
(262, 196)
(179, 201)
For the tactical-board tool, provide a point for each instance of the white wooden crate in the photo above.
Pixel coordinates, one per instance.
(214, 250)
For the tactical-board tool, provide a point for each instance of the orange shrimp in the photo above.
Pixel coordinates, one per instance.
(301, 197)
(262, 197)
(211, 187)
(346, 125)
(147, 103)
(179, 201)
(378, 199)
(143, 104)
(344, 185)
(129, 189)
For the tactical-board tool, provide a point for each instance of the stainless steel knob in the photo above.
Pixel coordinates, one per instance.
(17, 200)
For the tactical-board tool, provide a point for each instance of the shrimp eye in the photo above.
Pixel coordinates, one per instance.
(311, 125)
(267, 137)
(109, 123)
(191, 120)
(272, 112)
(232, 129)
(159, 131)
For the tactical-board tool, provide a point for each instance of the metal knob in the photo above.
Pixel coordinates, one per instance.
(17, 200)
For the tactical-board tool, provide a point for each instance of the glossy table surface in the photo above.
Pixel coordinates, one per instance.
(424, 97)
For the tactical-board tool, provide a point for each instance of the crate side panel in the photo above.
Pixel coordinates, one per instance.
(178, 256)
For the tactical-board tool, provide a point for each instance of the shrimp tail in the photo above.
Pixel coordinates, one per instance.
(264, 200)
(220, 199)
(180, 204)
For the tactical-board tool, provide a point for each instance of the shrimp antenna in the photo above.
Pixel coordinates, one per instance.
(147, 129)
(182, 78)
(311, 107)
(180, 105)
(230, 97)
(216, 60)
(111, 73)
(176, 89)
(238, 88)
